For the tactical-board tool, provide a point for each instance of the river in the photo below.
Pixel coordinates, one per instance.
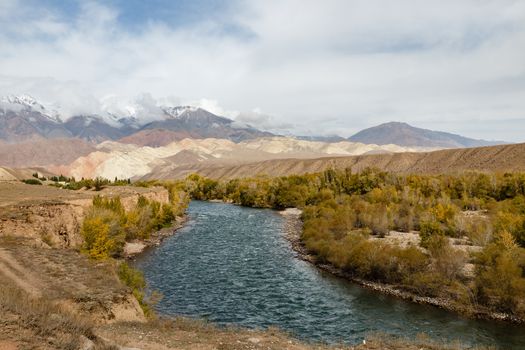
(232, 265)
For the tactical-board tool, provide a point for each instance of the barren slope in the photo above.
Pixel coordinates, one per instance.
(155, 137)
(494, 158)
(114, 159)
(43, 152)
(11, 174)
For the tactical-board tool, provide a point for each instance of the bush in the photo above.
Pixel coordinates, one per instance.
(103, 234)
(500, 276)
(32, 182)
(428, 229)
(99, 183)
(107, 226)
(134, 279)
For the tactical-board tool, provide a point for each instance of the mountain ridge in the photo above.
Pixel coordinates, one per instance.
(23, 118)
(404, 134)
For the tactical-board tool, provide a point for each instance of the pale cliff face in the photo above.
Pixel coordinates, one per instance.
(113, 159)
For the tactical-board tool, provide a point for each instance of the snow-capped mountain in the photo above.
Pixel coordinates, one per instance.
(24, 117)
(29, 103)
(177, 111)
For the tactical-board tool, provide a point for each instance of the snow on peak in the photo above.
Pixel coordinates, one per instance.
(117, 111)
(177, 111)
(140, 109)
(27, 102)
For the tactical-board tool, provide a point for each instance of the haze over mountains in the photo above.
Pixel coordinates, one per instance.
(132, 142)
(24, 118)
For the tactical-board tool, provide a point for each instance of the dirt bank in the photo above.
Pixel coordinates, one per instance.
(293, 231)
(53, 217)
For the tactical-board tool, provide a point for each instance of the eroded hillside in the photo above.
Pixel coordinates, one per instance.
(504, 158)
(52, 216)
(132, 161)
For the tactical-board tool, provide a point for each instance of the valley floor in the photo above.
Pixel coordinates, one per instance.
(57, 298)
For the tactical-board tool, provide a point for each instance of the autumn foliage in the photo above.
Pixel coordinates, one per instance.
(342, 210)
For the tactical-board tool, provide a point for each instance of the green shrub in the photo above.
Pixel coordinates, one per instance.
(32, 182)
(429, 229)
(134, 279)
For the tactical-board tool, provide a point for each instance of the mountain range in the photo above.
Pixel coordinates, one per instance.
(23, 118)
(133, 141)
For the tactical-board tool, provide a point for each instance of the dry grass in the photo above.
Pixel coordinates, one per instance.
(39, 323)
(20, 194)
(66, 276)
(380, 341)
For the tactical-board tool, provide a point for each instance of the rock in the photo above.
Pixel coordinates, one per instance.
(132, 248)
(291, 211)
(254, 340)
(87, 344)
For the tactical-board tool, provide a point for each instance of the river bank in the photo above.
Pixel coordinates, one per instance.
(293, 231)
(136, 247)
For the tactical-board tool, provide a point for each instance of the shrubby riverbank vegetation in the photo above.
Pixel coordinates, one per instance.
(108, 226)
(470, 229)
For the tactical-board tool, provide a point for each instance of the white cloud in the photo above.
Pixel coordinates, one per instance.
(257, 119)
(212, 106)
(324, 66)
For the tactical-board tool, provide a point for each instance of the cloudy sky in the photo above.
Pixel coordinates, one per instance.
(301, 66)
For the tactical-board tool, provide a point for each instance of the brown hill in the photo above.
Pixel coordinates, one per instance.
(493, 158)
(156, 137)
(43, 152)
(10, 174)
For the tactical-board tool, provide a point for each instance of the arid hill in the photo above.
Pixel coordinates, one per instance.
(493, 158)
(16, 174)
(117, 159)
(43, 152)
(155, 137)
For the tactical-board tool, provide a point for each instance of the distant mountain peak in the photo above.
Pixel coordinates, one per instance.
(29, 103)
(178, 111)
(404, 134)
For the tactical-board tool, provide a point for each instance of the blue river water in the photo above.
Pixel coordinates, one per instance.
(232, 265)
